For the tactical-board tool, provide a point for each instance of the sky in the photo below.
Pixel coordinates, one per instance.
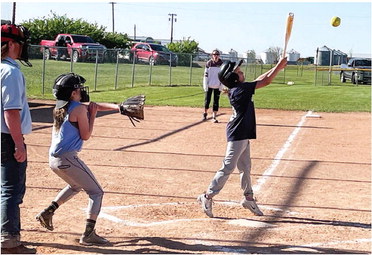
(238, 25)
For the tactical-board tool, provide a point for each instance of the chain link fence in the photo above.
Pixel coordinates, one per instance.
(116, 69)
(113, 69)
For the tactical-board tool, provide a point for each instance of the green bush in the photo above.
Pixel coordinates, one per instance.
(184, 46)
(47, 28)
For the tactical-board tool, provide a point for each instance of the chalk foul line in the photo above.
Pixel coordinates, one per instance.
(278, 157)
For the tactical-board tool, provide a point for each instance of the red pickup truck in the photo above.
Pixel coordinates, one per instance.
(77, 47)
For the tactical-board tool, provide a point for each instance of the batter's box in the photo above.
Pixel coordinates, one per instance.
(146, 215)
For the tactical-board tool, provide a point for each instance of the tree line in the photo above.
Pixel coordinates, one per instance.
(47, 28)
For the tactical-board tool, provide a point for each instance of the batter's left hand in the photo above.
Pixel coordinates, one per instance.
(92, 109)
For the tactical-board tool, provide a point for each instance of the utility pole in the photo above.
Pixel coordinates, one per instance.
(135, 32)
(14, 12)
(113, 17)
(173, 15)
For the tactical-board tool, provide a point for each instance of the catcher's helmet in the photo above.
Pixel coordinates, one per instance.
(65, 84)
(227, 76)
(20, 34)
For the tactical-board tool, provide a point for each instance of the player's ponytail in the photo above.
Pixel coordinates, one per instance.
(59, 115)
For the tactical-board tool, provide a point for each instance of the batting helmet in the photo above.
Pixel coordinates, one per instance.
(65, 84)
(227, 76)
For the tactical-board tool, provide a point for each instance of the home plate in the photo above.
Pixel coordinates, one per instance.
(251, 223)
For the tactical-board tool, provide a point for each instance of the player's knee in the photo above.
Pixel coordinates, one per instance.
(227, 169)
(97, 195)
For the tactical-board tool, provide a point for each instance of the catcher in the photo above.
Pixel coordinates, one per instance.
(73, 123)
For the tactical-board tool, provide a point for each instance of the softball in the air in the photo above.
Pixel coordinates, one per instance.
(335, 21)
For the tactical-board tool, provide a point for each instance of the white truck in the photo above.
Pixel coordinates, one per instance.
(357, 70)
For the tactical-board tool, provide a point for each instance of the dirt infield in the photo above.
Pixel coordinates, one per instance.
(312, 179)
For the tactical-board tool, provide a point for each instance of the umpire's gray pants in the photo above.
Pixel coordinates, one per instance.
(237, 155)
(78, 176)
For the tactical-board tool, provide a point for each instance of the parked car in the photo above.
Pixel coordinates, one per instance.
(358, 70)
(77, 47)
(153, 53)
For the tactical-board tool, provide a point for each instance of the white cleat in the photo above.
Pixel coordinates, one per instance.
(206, 205)
(252, 206)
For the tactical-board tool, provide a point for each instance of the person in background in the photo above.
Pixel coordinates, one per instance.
(212, 85)
(15, 123)
(61, 50)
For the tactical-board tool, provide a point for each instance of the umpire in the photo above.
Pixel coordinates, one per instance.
(15, 122)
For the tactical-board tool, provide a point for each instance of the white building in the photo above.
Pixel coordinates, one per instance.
(232, 56)
(293, 56)
(268, 57)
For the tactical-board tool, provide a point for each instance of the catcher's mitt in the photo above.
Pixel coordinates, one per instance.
(133, 108)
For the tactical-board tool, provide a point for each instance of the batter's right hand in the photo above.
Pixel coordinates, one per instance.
(92, 109)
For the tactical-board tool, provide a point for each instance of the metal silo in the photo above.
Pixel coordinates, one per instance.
(323, 57)
(293, 55)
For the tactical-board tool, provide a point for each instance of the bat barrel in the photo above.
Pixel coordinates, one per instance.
(288, 31)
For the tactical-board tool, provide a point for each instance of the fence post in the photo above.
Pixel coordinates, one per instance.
(261, 68)
(316, 61)
(96, 72)
(170, 70)
(190, 69)
(246, 69)
(71, 61)
(43, 74)
(116, 70)
(150, 71)
(255, 70)
(330, 67)
(133, 67)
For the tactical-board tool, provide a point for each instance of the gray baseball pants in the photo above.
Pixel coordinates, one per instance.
(78, 177)
(237, 155)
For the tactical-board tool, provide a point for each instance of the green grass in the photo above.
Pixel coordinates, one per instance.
(305, 94)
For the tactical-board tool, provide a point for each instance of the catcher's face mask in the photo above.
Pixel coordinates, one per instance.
(20, 34)
(84, 92)
(65, 84)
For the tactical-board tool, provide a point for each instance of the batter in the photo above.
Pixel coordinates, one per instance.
(241, 128)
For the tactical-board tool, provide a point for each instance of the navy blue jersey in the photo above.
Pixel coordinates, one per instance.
(242, 124)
